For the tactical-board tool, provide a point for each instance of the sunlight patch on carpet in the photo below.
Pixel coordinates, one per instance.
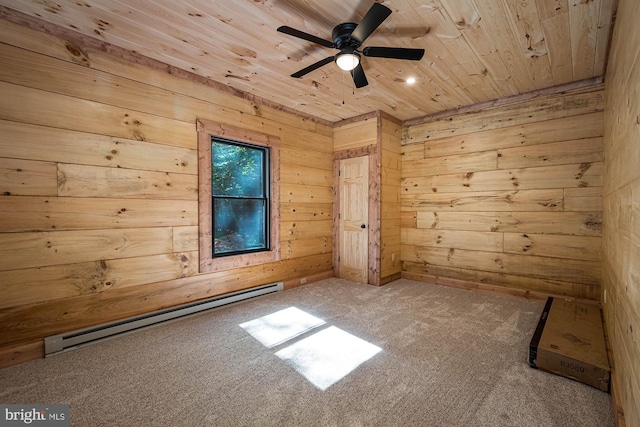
(281, 326)
(327, 356)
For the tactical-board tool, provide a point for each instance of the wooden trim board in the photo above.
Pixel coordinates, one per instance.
(489, 289)
(616, 404)
(301, 281)
(21, 353)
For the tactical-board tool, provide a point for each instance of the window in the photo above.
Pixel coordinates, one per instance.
(238, 197)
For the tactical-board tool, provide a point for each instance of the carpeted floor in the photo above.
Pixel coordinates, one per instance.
(406, 354)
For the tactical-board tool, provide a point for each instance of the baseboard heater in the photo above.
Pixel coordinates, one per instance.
(57, 343)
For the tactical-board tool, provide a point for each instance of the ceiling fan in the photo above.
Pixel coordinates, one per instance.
(348, 37)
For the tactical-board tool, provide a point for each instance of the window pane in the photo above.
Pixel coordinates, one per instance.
(239, 225)
(237, 170)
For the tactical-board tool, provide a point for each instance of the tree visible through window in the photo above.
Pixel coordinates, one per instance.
(240, 197)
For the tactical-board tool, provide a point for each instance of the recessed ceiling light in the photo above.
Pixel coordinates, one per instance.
(411, 80)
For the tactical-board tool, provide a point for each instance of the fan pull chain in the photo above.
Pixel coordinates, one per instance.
(342, 88)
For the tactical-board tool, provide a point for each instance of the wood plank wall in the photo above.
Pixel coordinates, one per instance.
(621, 216)
(507, 197)
(356, 133)
(391, 165)
(99, 188)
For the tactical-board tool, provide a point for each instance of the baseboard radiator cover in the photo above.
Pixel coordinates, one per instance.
(74, 339)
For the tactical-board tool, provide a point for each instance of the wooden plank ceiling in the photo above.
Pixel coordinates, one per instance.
(476, 50)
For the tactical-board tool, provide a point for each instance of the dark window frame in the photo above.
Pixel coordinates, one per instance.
(207, 130)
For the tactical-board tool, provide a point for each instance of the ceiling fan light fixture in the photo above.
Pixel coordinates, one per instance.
(348, 61)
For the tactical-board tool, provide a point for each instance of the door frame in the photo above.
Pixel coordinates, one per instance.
(374, 209)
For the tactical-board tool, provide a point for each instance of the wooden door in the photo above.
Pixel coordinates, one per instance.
(353, 227)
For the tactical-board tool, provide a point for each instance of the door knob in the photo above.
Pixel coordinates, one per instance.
(363, 226)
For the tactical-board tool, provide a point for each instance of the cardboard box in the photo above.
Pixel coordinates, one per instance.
(569, 341)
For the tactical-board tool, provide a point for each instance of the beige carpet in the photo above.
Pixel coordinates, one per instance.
(414, 355)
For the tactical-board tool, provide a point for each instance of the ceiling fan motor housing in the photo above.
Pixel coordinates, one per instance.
(342, 37)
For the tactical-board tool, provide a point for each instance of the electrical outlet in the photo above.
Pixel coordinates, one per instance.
(393, 257)
(303, 280)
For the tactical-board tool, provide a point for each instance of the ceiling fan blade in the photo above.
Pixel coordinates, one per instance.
(393, 53)
(372, 20)
(359, 78)
(305, 36)
(312, 67)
